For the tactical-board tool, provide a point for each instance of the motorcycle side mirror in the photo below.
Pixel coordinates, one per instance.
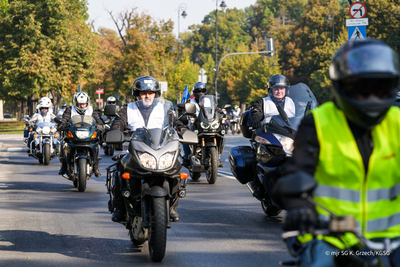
(227, 106)
(188, 137)
(110, 110)
(181, 106)
(190, 108)
(283, 114)
(26, 116)
(25, 120)
(299, 184)
(114, 137)
(58, 119)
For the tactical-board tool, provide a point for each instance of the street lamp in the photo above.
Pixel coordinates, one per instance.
(222, 6)
(182, 7)
(329, 19)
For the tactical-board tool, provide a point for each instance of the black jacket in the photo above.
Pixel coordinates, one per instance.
(67, 116)
(306, 153)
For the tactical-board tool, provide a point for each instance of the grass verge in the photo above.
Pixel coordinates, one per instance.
(12, 127)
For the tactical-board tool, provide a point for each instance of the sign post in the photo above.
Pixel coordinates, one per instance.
(202, 76)
(357, 26)
(99, 91)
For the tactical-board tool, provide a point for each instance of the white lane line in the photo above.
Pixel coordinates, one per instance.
(227, 174)
(14, 149)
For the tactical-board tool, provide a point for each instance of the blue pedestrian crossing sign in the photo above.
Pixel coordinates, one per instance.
(357, 32)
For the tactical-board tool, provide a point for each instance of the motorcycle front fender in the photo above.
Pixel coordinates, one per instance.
(46, 141)
(155, 191)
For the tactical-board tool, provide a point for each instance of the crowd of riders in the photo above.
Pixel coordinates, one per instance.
(349, 145)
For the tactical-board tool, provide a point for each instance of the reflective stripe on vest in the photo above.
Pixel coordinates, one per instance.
(88, 112)
(135, 118)
(344, 188)
(271, 110)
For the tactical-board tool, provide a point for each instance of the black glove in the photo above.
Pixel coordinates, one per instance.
(254, 122)
(303, 219)
(61, 127)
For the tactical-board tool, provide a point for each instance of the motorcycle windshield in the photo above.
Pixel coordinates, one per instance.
(82, 121)
(158, 117)
(43, 124)
(303, 99)
(207, 105)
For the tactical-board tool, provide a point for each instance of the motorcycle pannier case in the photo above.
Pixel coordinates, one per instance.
(247, 133)
(241, 161)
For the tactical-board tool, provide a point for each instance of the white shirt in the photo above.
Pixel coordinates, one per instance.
(135, 118)
(271, 110)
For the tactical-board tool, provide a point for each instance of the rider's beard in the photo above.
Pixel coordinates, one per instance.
(147, 102)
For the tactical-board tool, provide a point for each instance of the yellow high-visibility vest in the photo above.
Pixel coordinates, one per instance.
(344, 187)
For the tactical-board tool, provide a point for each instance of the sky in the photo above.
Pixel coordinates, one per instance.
(159, 9)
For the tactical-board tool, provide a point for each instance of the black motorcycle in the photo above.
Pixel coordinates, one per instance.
(204, 156)
(80, 148)
(259, 165)
(147, 175)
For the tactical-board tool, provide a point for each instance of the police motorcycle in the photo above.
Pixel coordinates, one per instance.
(145, 174)
(44, 144)
(259, 165)
(235, 128)
(204, 156)
(368, 253)
(80, 146)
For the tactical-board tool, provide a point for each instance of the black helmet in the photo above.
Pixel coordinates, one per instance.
(64, 105)
(365, 75)
(145, 84)
(278, 80)
(199, 89)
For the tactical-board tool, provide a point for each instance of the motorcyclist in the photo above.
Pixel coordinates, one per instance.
(278, 94)
(61, 111)
(81, 107)
(145, 88)
(351, 146)
(199, 90)
(236, 111)
(44, 114)
(111, 100)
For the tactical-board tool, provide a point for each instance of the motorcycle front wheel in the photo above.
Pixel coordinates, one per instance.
(158, 229)
(46, 154)
(81, 175)
(212, 160)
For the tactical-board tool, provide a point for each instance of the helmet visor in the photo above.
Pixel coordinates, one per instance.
(366, 87)
(369, 60)
(200, 90)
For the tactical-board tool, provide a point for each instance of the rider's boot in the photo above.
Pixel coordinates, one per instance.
(63, 169)
(173, 213)
(96, 170)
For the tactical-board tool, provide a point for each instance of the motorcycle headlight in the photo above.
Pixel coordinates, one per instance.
(286, 142)
(204, 125)
(166, 160)
(39, 130)
(54, 130)
(46, 130)
(147, 161)
(82, 134)
(215, 125)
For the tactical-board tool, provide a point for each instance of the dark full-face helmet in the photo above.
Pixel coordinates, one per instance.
(146, 84)
(278, 80)
(199, 89)
(365, 75)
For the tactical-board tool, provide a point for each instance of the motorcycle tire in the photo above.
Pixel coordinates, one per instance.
(81, 175)
(195, 175)
(269, 209)
(212, 170)
(106, 150)
(46, 154)
(158, 229)
(111, 150)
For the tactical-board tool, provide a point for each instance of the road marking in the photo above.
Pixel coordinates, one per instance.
(227, 174)
(14, 149)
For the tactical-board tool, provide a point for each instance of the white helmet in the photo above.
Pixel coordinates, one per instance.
(111, 100)
(81, 98)
(44, 102)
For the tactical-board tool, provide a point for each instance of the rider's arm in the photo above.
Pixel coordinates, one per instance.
(305, 157)
(66, 116)
(258, 110)
(34, 118)
(96, 116)
(119, 121)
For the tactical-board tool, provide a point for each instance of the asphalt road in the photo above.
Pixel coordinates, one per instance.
(45, 221)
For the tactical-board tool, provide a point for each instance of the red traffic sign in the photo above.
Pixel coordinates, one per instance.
(99, 100)
(357, 10)
(99, 91)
